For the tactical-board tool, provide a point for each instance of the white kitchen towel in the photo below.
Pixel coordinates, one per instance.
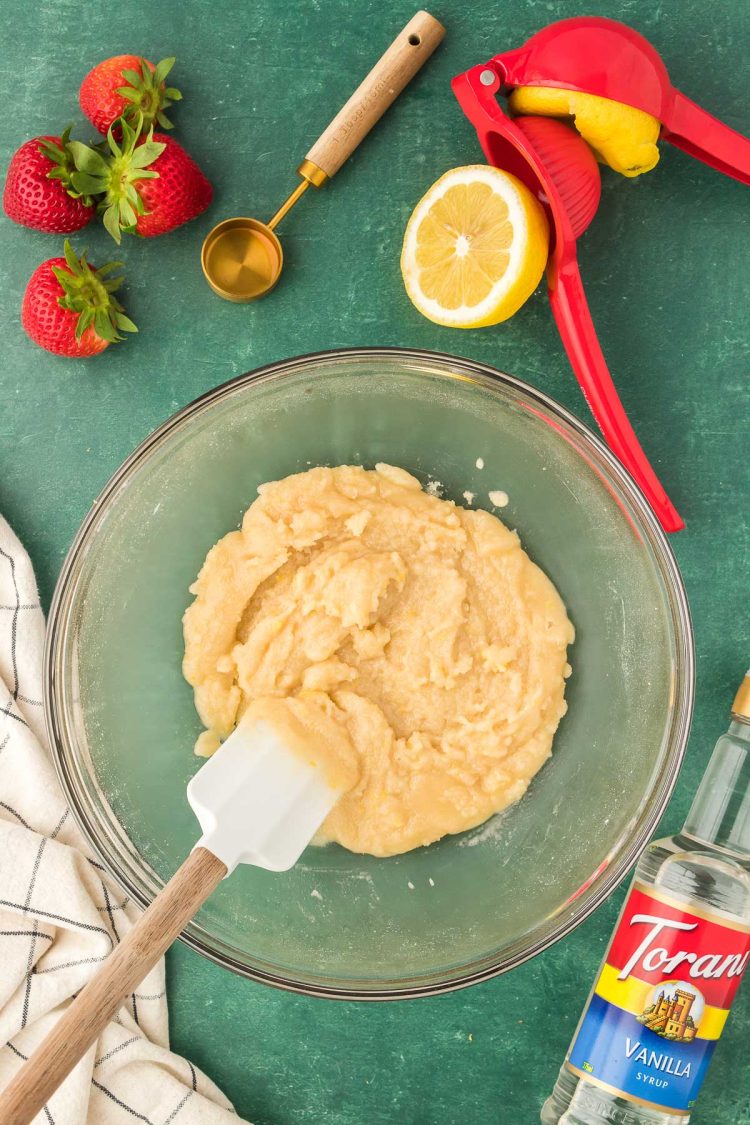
(61, 914)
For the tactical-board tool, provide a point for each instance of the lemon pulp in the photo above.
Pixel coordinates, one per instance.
(475, 247)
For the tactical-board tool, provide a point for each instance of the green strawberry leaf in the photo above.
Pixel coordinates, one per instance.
(102, 271)
(161, 71)
(87, 159)
(147, 153)
(70, 257)
(128, 217)
(84, 322)
(85, 184)
(133, 77)
(112, 145)
(52, 151)
(61, 275)
(128, 93)
(103, 325)
(172, 94)
(124, 322)
(130, 135)
(112, 222)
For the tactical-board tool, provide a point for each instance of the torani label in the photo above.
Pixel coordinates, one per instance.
(660, 1002)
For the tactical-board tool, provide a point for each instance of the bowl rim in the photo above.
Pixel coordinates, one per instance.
(614, 867)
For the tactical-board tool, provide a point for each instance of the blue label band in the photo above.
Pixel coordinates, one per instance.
(614, 1049)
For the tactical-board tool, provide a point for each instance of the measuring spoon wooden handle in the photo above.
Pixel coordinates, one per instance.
(121, 973)
(408, 52)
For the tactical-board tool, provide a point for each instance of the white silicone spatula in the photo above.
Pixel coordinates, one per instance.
(257, 802)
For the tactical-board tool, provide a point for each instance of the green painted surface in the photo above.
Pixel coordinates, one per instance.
(665, 266)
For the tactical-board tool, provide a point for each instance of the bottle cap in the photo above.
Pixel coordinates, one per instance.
(741, 705)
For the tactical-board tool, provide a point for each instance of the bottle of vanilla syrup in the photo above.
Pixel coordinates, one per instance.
(662, 996)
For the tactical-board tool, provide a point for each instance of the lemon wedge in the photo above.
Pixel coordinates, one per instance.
(621, 136)
(475, 247)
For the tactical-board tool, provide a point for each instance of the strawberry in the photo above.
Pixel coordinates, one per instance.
(38, 192)
(180, 193)
(125, 86)
(149, 184)
(68, 307)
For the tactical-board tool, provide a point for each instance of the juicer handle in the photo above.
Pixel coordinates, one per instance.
(698, 133)
(407, 54)
(122, 972)
(576, 328)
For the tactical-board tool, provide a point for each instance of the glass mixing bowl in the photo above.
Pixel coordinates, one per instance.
(122, 721)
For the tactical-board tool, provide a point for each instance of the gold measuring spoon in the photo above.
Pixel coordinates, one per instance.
(242, 257)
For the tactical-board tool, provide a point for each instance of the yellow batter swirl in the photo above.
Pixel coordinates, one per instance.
(414, 640)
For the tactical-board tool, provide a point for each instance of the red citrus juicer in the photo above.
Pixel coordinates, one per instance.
(603, 57)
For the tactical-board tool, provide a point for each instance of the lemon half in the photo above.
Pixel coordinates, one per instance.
(475, 247)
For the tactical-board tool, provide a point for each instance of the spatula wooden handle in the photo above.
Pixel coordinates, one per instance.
(405, 56)
(121, 973)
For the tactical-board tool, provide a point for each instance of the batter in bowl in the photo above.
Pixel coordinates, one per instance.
(415, 638)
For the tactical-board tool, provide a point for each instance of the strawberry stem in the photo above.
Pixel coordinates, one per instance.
(85, 293)
(114, 175)
(64, 168)
(148, 95)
